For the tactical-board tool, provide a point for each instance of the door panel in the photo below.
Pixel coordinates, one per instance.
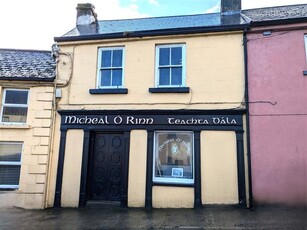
(106, 168)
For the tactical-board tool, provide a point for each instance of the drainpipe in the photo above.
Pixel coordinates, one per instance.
(246, 94)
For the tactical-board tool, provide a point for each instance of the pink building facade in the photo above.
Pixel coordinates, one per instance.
(277, 82)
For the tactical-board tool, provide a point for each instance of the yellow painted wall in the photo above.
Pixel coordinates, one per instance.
(219, 180)
(137, 168)
(72, 168)
(36, 137)
(215, 75)
(214, 64)
(172, 197)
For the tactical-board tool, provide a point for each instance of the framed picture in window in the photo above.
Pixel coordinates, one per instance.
(177, 172)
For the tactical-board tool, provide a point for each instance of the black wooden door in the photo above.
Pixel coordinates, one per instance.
(106, 168)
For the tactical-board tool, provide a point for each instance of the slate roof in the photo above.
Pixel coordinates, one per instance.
(158, 23)
(157, 26)
(26, 65)
(186, 24)
(278, 13)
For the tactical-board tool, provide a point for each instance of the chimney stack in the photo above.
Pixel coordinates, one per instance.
(86, 22)
(86, 14)
(230, 7)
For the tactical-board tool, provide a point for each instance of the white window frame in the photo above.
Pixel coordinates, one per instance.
(98, 85)
(17, 163)
(163, 180)
(13, 105)
(183, 65)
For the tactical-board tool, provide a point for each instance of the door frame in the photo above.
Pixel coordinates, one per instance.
(88, 151)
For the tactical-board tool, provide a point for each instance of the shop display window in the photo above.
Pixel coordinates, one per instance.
(173, 157)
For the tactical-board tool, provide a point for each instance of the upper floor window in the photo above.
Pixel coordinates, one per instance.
(170, 65)
(110, 67)
(14, 106)
(10, 161)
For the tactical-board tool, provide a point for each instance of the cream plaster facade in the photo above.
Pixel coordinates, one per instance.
(36, 137)
(172, 197)
(215, 75)
(137, 169)
(219, 164)
(214, 64)
(72, 168)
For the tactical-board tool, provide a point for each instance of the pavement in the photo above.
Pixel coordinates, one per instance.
(114, 217)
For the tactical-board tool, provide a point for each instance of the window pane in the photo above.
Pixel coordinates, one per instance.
(176, 56)
(117, 77)
(117, 58)
(10, 152)
(16, 97)
(176, 76)
(164, 56)
(164, 76)
(173, 157)
(9, 174)
(105, 77)
(14, 114)
(106, 58)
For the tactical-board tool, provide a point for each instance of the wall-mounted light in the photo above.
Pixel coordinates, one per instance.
(267, 33)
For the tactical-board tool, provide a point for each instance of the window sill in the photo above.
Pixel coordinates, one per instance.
(170, 90)
(172, 184)
(305, 72)
(109, 91)
(3, 190)
(14, 126)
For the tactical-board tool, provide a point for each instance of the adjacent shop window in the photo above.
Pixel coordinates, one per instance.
(170, 65)
(14, 106)
(110, 67)
(173, 157)
(10, 161)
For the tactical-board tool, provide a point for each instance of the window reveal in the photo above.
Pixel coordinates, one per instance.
(173, 157)
(14, 106)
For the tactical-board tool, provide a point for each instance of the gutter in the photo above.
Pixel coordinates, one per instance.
(27, 79)
(278, 22)
(149, 33)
